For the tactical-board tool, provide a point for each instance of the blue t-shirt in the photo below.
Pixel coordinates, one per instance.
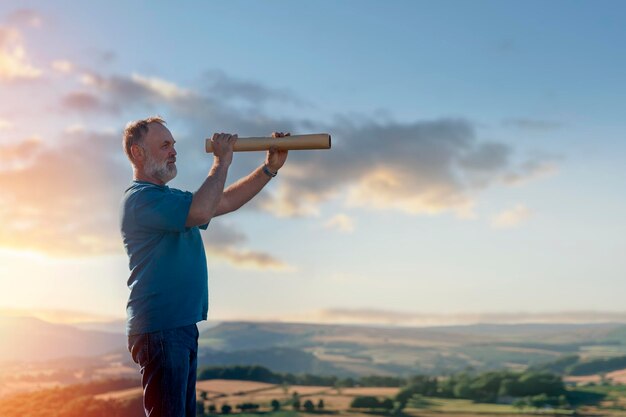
(168, 271)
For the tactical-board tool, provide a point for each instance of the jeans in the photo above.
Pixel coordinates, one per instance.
(169, 361)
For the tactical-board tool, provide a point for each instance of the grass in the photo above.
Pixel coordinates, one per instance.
(280, 413)
(440, 405)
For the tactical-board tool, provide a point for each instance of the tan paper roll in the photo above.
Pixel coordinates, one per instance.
(295, 142)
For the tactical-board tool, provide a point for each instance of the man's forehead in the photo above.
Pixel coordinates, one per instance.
(158, 132)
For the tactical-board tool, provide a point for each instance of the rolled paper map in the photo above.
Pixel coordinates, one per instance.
(295, 142)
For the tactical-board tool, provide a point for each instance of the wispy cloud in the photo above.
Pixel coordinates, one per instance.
(407, 318)
(159, 86)
(531, 169)
(82, 101)
(14, 64)
(57, 316)
(19, 154)
(533, 124)
(63, 66)
(63, 200)
(341, 222)
(420, 167)
(5, 124)
(228, 243)
(25, 18)
(423, 167)
(511, 218)
(220, 84)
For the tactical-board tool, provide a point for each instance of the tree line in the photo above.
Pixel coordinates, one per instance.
(262, 374)
(521, 388)
(487, 387)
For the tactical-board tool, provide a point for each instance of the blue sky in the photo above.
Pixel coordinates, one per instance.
(477, 162)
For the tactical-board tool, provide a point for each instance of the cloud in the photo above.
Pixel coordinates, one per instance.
(221, 85)
(63, 200)
(226, 242)
(531, 169)
(533, 124)
(18, 154)
(408, 318)
(5, 124)
(63, 66)
(13, 62)
(81, 101)
(421, 167)
(57, 316)
(340, 222)
(161, 87)
(25, 17)
(511, 218)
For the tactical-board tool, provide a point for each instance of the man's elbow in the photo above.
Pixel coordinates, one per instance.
(197, 218)
(223, 207)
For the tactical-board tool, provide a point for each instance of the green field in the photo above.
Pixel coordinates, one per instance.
(452, 406)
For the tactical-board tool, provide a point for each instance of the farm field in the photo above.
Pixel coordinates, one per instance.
(336, 401)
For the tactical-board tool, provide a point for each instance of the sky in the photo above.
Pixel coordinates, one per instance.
(476, 174)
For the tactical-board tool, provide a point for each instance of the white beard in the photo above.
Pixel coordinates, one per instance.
(161, 171)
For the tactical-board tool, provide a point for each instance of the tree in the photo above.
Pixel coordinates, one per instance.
(365, 402)
(418, 401)
(204, 395)
(295, 400)
(308, 406)
(226, 409)
(398, 408)
(421, 385)
(520, 404)
(540, 400)
(247, 406)
(212, 408)
(462, 390)
(320, 404)
(275, 405)
(387, 404)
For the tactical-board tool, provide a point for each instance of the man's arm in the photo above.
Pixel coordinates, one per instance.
(206, 199)
(239, 193)
(246, 188)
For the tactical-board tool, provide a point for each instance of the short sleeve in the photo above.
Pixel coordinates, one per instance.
(162, 210)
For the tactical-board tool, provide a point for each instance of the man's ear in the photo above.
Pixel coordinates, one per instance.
(137, 152)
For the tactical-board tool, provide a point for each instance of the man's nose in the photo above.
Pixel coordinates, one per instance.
(173, 152)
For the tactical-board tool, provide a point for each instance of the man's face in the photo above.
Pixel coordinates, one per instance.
(160, 155)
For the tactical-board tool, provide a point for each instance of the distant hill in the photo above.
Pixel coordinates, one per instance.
(119, 326)
(279, 359)
(30, 339)
(347, 350)
(341, 350)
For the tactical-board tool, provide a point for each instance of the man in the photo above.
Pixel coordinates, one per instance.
(168, 273)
